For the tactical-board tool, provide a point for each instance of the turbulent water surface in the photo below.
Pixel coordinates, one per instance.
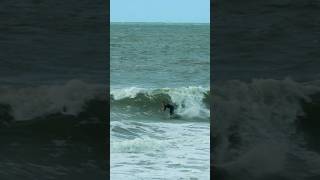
(53, 78)
(151, 63)
(266, 90)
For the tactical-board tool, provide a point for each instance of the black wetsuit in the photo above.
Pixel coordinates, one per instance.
(170, 107)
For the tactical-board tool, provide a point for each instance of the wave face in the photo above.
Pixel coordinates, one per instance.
(25, 103)
(190, 102)
(256, 133)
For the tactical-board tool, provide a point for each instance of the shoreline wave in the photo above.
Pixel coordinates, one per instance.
(255, 123)
(190, 102)
(27, 103)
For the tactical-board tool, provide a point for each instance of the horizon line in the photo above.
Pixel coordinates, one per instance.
(162, 22)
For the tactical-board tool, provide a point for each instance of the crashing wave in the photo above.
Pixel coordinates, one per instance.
(72, 98)
(255, 123)
(189, 101)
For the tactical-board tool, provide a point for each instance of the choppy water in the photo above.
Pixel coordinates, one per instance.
(151, 63)
(266, 90)
(53, 77)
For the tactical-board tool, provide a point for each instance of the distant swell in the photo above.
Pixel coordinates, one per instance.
(190, 102)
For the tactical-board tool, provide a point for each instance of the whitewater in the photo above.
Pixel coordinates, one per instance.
(152, 63)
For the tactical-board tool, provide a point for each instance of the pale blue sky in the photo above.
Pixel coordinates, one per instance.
(174, 11)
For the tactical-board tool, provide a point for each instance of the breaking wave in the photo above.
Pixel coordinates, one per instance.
(190, 102)
(72, 98)
(257, 128)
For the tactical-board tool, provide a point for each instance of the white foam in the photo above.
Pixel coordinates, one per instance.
(178, 150)
(142, 144)
(262, 116)
(31, 102)
(130, 92)
(189, 100)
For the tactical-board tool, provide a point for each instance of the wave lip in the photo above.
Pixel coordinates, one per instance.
(27, 103)
(190, 101)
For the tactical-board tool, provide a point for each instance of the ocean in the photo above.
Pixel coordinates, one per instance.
(264, 93)
(53, 81)
(151, 63)
(265, 80)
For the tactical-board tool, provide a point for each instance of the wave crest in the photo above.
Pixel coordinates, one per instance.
(190, 101)
(250, 117)
(30, 102)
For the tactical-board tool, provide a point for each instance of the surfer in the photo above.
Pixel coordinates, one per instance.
(167, 105)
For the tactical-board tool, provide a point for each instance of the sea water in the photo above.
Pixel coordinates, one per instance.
(266, 88)
(151, 63)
